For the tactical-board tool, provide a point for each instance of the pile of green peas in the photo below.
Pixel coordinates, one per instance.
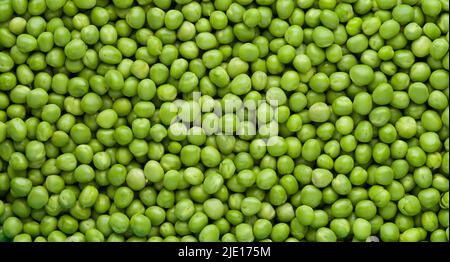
(355, 90)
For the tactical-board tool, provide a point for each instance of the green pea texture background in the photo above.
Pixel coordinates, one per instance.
(224, 120)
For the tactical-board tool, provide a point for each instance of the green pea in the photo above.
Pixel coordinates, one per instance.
(311, 196)
(324, 234)
(319, 112)
(18, 161)
(12, 226)
(279, 232)
(205, 40)
(321, 177)
(266, 178)
(140, 225)
(67, 198)
(38, 197)
(409, 205)
(213, 183)
(410, 235)
(171, 179)
(123, 197)
(341, 208)
(361, 75)
(119, 222)
(341, 227)
(438, 236)
(156, 215)
(75, 49)
(361, 228)
(262, 228)
(210, 233)
(210, 156)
